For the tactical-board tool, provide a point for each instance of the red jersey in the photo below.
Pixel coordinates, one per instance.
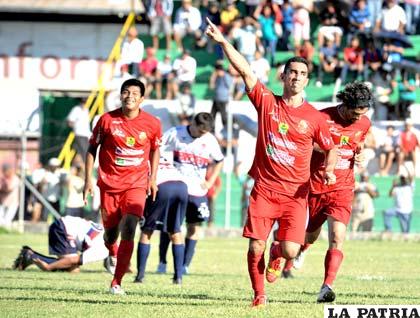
(347, 137)
(285, 142)
(408, 141)
(125, 148)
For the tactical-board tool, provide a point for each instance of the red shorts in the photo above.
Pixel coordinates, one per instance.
(336, 204)
(116, 204)
(267, 207)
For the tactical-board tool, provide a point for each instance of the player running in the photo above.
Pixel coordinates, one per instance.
(287, 128)
(348, 126)
(129, 140)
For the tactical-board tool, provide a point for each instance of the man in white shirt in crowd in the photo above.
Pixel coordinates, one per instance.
(78, 120)
(402, 191)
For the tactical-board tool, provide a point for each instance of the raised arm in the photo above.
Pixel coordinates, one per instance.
(240, 64)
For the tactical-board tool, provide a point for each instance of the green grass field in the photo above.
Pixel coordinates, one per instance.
(373, 272)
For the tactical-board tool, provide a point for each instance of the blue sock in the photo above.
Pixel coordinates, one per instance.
(46, 259)
(178, 251)
(189, 251)
(163, 246)
(143, 251)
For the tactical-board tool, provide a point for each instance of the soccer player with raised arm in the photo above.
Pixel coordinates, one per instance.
(348, 126)
(129, 143)
(166, 214)
(288, 126)
(194, 147)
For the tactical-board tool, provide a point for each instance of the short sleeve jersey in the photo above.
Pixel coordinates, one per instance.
(348, 137)
(81, 232)
(191, 156)
(285, 141)
(125, 148)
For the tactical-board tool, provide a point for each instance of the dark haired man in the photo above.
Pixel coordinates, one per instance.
(129, 140)
(348, 127)
(288, 126)
(194, 149)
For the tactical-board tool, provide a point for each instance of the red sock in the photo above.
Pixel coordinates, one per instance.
(123, 260)
(112, 248)
(288, 265)
(305, 247)
(276, 251)
(256, 267)
(332, 263)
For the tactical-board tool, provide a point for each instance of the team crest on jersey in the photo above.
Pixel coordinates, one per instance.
(302, 126)
(130, 141)
(344, 140)
(283, 128)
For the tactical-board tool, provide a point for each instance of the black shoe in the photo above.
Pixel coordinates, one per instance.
(177, 281)
(326, 294)
(17, 264)
(139, 280)
(287, 274)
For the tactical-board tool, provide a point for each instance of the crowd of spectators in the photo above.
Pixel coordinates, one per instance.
(353, 40)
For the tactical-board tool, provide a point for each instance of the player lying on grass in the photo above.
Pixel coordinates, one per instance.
(74, 240)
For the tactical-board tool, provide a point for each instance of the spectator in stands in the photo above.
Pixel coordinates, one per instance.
(301, 24)
(221, 82)
(185, 68)
(9, 194)
(353, 61)
(372, 59)
(360, 18)
(368, 150)
(269, 31)
(328, 60)
(287, 25)
(250, 7)
(402, 191)
(407, 94)
(408, 144)
(148, 71)
(75, 183)
(78, 120)
(330, 24)
(307, 51)
(213, 14)
(245, 33)
(165, 76)
(228, 14)
(36, 205)
(238, 90)
(388, 151)
(363, 210)
(392, 18)
(186, 101)
(412, 10)
(51, 185)
(132, 53)
(159, 13)
(187, 22)
(392, 52)
(261, 67)
(375, 8)
(382, 90)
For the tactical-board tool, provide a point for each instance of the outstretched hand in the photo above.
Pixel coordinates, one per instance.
(213, 32)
